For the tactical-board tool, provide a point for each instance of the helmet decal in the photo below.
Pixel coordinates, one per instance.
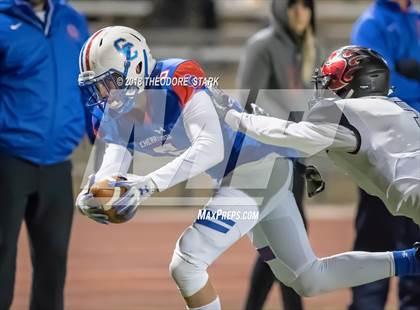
(341, 66)
(88, 47)
(146, 68)
(82, 52)
(124, 47)
(335, 66)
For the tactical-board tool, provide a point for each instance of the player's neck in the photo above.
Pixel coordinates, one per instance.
(37, 5)
(404, 4)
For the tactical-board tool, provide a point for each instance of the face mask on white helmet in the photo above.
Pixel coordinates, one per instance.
(114, 64)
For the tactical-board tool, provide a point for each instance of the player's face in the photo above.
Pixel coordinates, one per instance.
(299, 17)
(102, 91)
(105, 87)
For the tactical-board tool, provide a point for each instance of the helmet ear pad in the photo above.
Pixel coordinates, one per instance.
(367, 81)
(372, 83)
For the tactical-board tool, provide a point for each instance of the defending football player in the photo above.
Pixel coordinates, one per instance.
(377, 138)
(181, 121)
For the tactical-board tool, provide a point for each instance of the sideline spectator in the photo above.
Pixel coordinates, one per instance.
(41, 123)
(392, 28)
(281, 56)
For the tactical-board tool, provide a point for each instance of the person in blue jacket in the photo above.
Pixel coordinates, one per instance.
(41, 123)
(391, 28)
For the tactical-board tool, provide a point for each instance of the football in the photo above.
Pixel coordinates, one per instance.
(107, 196)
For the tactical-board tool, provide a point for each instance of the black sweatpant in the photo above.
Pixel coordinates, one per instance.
(42, 196)
(262, 277)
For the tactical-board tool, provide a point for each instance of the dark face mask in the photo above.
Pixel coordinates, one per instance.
(99, 91)
(320, 83)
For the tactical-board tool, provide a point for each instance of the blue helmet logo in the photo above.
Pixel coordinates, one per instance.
(124, 47)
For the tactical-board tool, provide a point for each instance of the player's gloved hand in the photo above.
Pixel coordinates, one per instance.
(257, 110)
(222, 102)
(88, 205)
(314, 182)
(128, 204)
(139, 189)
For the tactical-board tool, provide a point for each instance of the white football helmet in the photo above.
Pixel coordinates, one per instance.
(114, 57)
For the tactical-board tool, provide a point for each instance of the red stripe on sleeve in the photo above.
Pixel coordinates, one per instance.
(187, 69)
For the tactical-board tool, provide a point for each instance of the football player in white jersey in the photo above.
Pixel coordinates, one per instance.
(374, 138)
(117, 53)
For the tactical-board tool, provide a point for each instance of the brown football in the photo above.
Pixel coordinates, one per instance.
(107, 195)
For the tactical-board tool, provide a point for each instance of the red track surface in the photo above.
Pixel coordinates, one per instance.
(121, 267)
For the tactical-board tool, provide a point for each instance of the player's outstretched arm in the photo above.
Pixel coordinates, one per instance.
(307, 137)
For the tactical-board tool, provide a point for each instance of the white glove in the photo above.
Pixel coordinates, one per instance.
(88, 205)
(257, 110)
(139, 189)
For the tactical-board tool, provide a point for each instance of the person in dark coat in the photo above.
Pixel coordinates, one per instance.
(281, 56)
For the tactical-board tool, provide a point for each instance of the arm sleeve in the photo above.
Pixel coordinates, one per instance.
(254, 69)
(203, 128)
(306, 137)
(116, 160)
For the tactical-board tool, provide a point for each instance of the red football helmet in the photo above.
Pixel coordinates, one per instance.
(354, 71)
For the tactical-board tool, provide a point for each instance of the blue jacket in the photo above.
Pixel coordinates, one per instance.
(395, 35)
(42, 118)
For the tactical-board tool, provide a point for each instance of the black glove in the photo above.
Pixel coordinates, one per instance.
(410, 68)
(417, 247)
(314, 182)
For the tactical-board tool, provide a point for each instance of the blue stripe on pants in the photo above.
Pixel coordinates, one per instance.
(212, 225)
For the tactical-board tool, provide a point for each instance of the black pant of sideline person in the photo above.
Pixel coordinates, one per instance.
(378, 231)
(262, 277)
(42, 196)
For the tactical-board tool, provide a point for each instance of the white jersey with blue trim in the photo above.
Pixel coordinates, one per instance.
(181, 122)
